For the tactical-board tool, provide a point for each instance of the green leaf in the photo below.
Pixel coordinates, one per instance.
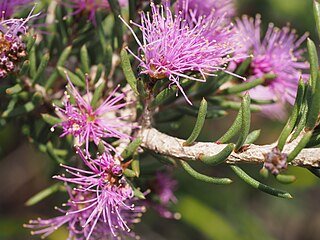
(97, 94)
(25, 67)
(246, 85)
(51, 152)
(233, 130)
(41, 68)
(28, 107)
(127, 70)
(313, 59)
(43, 194)
(316, 13)
(116, 10)
(33, 62)
(203, 177)
(135, 164)
(14, 89)
(73, 77)
(219, 157)
(129, 173)
(303, 142)
(64, 55)
(199, 123)
(50, 119)
(31, 40)
(131, 148)
(293, 117)
(245, 121)
(255, 184)
(286, 179)
(85, 61)
(252, 137)
(98, 73)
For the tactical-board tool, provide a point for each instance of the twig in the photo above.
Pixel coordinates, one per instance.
(170, 146)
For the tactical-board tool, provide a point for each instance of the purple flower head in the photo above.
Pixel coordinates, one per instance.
(9, 7)
(278, 54)
(162, 195)
(90, 7)
(219, 8)
(78, 210)
(12, 49)
(175, 46)
(101, 205)
(86, 123)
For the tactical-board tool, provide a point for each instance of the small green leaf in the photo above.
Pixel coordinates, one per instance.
(33, 62)
(14, 89)
(303, 142)
(255, 184)
(31, 40)
(316, 13)
(50, 119)
(293, 117)
(286, 179)
(41, 68)
(64, 55)
(245, 121)
(203, 177)
(264, 172)
(81, 74)
(131, 148)
(25, 67)
(142, 93)
(116, 10)
(73, 77)
(85, 61)
(252, 137)
(246, 85)
(98, 73)
(199, 123)
(97, 94)
(219, 157)
(129, 173)
(313, 59)
(233, 130)
(28, 107)
(127, 70)
(135, 164)
(43, 194)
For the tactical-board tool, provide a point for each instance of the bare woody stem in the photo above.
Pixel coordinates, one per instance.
(170, 146)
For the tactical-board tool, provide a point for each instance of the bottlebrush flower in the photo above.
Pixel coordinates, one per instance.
(101, 205)
(174, 46)
(87, 124)
(278, 53)
(90, 7)
(12, 49)
(9, 7)
(219, 8)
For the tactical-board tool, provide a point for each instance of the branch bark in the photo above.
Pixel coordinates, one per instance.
(170, 146)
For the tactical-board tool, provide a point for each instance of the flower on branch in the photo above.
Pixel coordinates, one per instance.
(100, 206)
(85, 123)
(174, 46)
(278, 53)
(12, 48)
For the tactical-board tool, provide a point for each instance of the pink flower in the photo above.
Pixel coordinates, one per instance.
(86, 123)
(278, 53)
(175, 46)
(100, 206)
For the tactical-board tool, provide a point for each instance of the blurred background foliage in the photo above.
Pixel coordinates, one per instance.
(208, 211)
